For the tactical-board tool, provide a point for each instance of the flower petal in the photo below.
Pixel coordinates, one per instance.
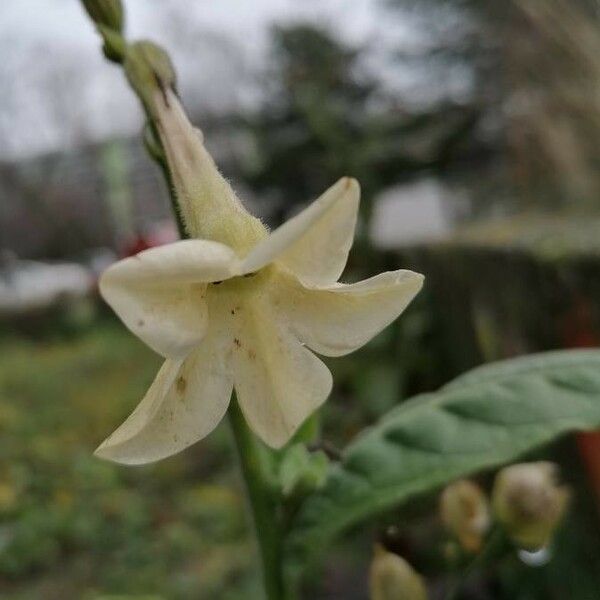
(159, 294)
(338, 319)
(185, 261)
(278, 382)
(184, 404)
(315, 243)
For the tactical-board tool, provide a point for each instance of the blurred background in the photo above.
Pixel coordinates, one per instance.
(473, 128)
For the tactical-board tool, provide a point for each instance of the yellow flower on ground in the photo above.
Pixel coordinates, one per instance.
(241, 307)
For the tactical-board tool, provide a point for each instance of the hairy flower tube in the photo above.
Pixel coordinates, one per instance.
(241, 308)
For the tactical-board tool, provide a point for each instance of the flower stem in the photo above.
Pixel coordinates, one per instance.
(256, 463)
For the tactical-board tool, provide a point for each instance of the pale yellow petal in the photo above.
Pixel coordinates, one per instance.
(184, 404)
(315, 243)
(339, 319)
(278, 382)
(185, 261)
(159, 294)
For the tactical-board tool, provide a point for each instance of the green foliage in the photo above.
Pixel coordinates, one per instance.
(73, 526)
(483, 419)
(312, 129)
(550, 49)
(326, 116)
(301, 472)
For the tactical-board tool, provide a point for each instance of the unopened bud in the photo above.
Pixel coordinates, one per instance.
(149, 69)
(465, 513)
(108, 13)
(392, 578)
(114, 46)
(529, 503)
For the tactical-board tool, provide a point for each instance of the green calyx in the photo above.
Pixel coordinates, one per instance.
(149, 69)
(108, 17)
(114, 46)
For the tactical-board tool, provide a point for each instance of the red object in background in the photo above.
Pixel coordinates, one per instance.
(161, 233)
(579, 332)
(134, 245)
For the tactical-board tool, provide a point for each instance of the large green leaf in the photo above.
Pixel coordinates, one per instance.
(487, 417)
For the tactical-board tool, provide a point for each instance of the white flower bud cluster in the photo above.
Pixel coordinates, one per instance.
(527, 502)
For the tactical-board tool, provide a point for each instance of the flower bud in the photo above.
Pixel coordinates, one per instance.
(149, 70)
(114, 46)
(465, 513)
(108, 13)
(528, 502)
(392, 578)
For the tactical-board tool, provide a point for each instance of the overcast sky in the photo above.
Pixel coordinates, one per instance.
(58, 90)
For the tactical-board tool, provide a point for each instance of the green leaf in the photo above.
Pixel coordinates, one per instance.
(485, 418)
(302, 472)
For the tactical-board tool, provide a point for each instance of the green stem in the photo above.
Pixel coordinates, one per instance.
(256, 463)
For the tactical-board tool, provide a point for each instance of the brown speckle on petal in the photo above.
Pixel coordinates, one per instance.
(181, 385)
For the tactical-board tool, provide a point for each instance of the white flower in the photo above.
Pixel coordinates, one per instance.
(228, 317)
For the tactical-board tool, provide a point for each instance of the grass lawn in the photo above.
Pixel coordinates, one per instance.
(73, 526)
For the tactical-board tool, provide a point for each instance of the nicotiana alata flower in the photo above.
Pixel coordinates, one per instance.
(241, 307)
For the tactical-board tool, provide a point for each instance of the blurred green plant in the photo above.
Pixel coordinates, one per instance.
(325, 116)
(527, 69)
(485, 418)
(71, 524)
